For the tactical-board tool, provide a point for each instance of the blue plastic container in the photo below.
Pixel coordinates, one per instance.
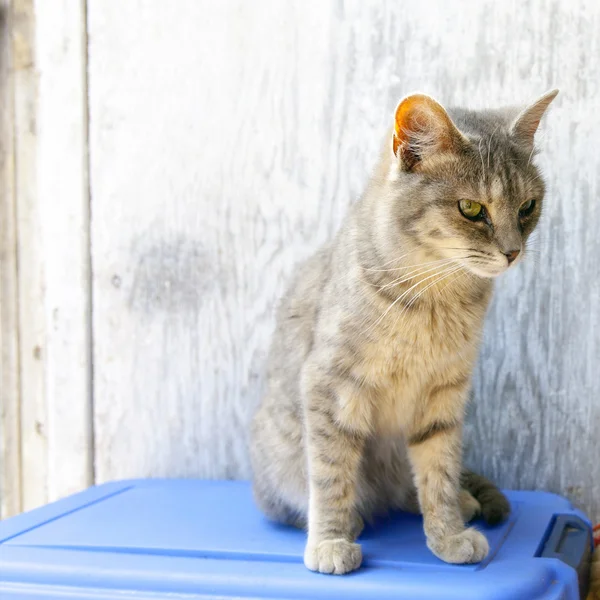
(206, 539)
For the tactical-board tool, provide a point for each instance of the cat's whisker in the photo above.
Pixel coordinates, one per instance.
(408, 276)
(439, 269)
(402, 278)
(421, 264)
(418, 272)
(470, 275)
(393, 260)
(405, 267)
(477, 251)
(443, 273)
(459, 268)
(429, 285)
(464, 272)
(403, 295)
(480, 261)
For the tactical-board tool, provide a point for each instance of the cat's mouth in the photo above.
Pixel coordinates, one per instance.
(489, 269)
(487, 263)
(487, 273)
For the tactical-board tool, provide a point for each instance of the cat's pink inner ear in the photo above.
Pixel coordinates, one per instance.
(421, 126)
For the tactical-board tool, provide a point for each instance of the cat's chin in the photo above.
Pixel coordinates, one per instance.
(487, 273)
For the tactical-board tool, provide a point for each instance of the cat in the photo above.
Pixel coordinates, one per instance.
(376, 339)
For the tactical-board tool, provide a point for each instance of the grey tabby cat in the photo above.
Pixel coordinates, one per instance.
(376, 339)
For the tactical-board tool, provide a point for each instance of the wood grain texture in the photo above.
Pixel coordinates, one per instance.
(10, 428)
(31, 321)
(53, 252)
(63, 203)
(226, 144)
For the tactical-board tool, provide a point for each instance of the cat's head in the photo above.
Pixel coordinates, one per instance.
(469, 188)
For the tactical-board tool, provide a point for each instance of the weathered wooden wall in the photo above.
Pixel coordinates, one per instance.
(227, 139)
(10, 444)
(45, 296)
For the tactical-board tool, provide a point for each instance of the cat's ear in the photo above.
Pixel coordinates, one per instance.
(422, 128)
(528, 120)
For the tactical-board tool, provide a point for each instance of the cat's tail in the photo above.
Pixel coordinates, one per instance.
(494, 504)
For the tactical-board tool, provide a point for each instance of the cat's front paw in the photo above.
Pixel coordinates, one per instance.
(469, 546)
(332, 556)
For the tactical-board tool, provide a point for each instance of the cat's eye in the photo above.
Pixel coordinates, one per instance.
(526, 208)
(471, 210)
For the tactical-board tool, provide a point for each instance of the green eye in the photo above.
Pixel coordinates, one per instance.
(527, 208)
(470, 209)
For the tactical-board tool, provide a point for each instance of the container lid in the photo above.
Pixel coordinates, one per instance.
(207, 539)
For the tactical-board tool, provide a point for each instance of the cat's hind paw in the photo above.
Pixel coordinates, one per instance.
(469, 506)
(332, 556)
(495, 507)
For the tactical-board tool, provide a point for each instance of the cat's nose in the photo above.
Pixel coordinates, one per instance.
(511, 255)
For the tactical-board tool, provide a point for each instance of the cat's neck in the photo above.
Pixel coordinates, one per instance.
(424, 277)
(402, 269)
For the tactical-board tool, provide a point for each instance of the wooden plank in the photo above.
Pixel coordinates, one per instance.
(63, 196)
(53, 246)
(225, 153)
(10, 428)
(30, 256)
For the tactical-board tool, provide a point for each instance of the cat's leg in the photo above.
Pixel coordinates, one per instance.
(494, 504)
(334, 450)
(434, 447)
(396, 483)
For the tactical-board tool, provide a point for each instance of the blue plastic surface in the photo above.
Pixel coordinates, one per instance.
(206, 539)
